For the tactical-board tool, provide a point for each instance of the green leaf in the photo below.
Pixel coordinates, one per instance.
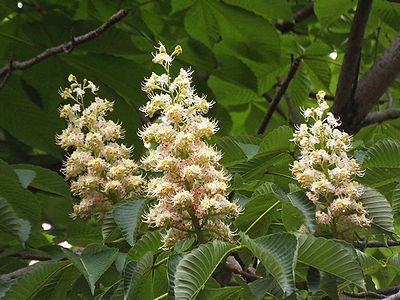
(299, 87)
(45, 180)
(31, 283)
(23, 202)
(93, 262)
(231, 93)
(396, 199)
(14, 115)
(127, 216)
(330, 257)
(9, 221)
(319, 72)
(271, 10)
(385, 175)
(384, 154)
(25, 177)
(277, 140)
(277, 252)
(258, 165)
(173, 262)
(151, 241)
(368, 263)
(196, 267)
(378, 209)
(201, 24)
(108, 226)
(210, 293)
(138, 278)
(306, 207)
(237, 148)
(328, 11)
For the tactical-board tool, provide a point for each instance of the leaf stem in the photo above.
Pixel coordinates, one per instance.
(197, 228)
(160, 262)
(161, 297)
(262, 215)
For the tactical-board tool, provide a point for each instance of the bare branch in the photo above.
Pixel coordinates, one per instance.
(278, 108)
(377, 244)
(292, 111)
(385, 293)
(298, 17)
(31, 256)
(282, 89)
(15, 274)
(374, 84)
(347, 82)
(372, 295)
(380, 116)
(65, 47)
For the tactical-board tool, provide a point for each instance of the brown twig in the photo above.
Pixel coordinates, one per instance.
(278, 108)
(385, 293)
(292, 111)
(15, 274)
(377, 244)
(380, 116)
(66, 47)
(364, 295)
(298, 17)
(282, 89)
(31, 256)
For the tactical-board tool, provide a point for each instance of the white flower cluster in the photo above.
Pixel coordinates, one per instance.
(325, 170)
(100, 170)
(192, 191)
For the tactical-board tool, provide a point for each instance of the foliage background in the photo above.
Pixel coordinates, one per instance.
(239, 53)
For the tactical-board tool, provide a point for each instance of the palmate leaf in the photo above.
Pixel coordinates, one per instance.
(138, 278)
(396, 200)
(127, 215)
(277, 252)
(378, 209)
(306, 208)
(196, 267)
(210, 293)
(44, 179)
(277, 140)
(173, 262)
(258, 165)
(330, 257)
(93, 262)
(10, 223)
(384, 154)
(31, 283)
(151, 241)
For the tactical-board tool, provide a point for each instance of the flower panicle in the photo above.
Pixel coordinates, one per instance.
(191, 191)
(325, 170)
(100, 170)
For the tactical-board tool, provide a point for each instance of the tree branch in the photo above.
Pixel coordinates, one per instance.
(347, 82)
(374, 84)
(292, 111)
(298, 17)
(385, 293)
(372, 295)
(380, 116)
(377, 244)
(282, 89)
(15, 274)
(31, 256)
(66, 47)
